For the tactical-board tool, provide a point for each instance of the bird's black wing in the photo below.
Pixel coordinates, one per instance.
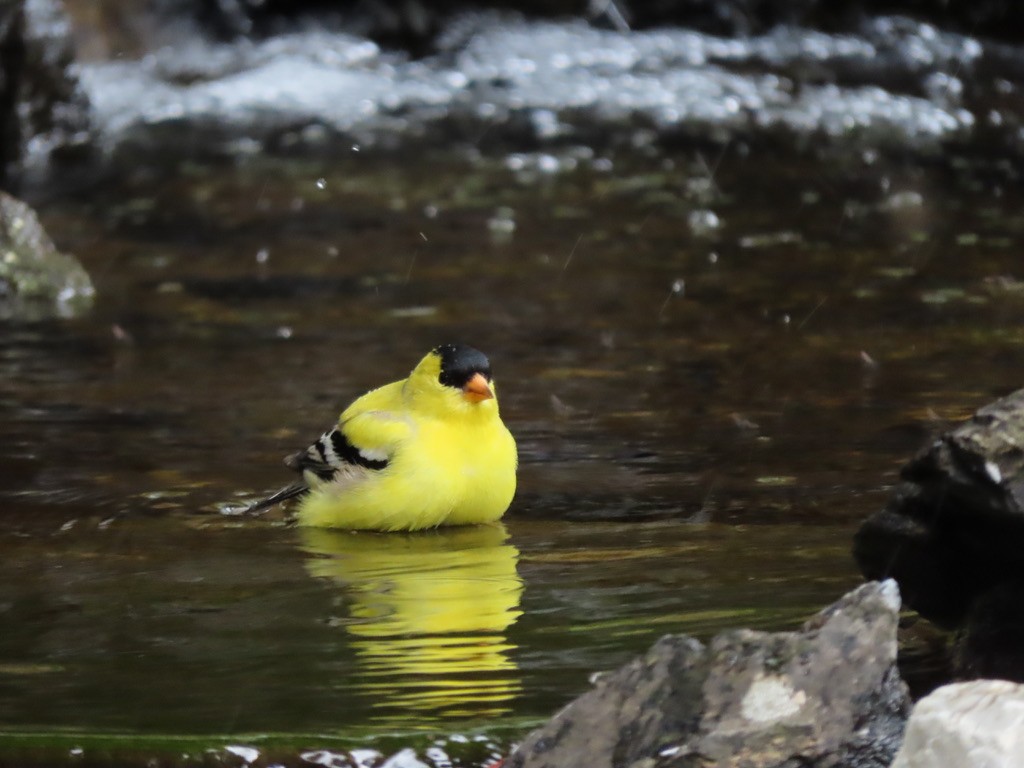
(316, 459)
(329, 454)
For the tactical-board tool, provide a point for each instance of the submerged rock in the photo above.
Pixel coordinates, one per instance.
(966, 725)
(36, 280)
(826, 695)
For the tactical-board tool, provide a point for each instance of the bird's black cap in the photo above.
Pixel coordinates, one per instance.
(459, 363)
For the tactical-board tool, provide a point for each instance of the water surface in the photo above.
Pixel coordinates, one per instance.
(714, 364)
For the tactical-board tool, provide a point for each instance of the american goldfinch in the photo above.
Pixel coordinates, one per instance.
(426, 451)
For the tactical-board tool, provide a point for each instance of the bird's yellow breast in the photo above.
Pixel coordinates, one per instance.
(482, 461)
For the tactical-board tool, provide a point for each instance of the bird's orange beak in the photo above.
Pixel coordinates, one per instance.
(477, 389)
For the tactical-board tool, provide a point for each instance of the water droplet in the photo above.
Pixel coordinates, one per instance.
(321, 183)
(712, 258)
(868, 360)
(678, 288)
(284, 332)
(231, 509)
(262, 256)
(703, 222)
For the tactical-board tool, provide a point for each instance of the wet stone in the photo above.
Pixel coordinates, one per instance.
(954, 528)
(952, 536)
(828, 694)
(36, 280)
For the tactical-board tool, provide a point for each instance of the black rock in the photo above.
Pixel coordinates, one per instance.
(991, 643)
(954, 528)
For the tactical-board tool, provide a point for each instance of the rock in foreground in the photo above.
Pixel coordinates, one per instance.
(966, 725)
(827, 695)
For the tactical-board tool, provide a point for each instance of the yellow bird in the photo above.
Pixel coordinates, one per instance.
(426, 451)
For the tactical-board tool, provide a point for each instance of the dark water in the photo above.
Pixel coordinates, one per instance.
(714, 366)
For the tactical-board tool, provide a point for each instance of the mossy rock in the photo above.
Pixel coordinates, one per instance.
(37, 281)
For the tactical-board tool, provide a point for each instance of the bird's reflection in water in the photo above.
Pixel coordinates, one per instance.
(428, 615)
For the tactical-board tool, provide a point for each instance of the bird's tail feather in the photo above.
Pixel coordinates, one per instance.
(297, 489)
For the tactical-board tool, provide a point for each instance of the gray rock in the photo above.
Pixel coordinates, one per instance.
(966, 725)
(36, 280)
(827, 695)
(630, 713)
